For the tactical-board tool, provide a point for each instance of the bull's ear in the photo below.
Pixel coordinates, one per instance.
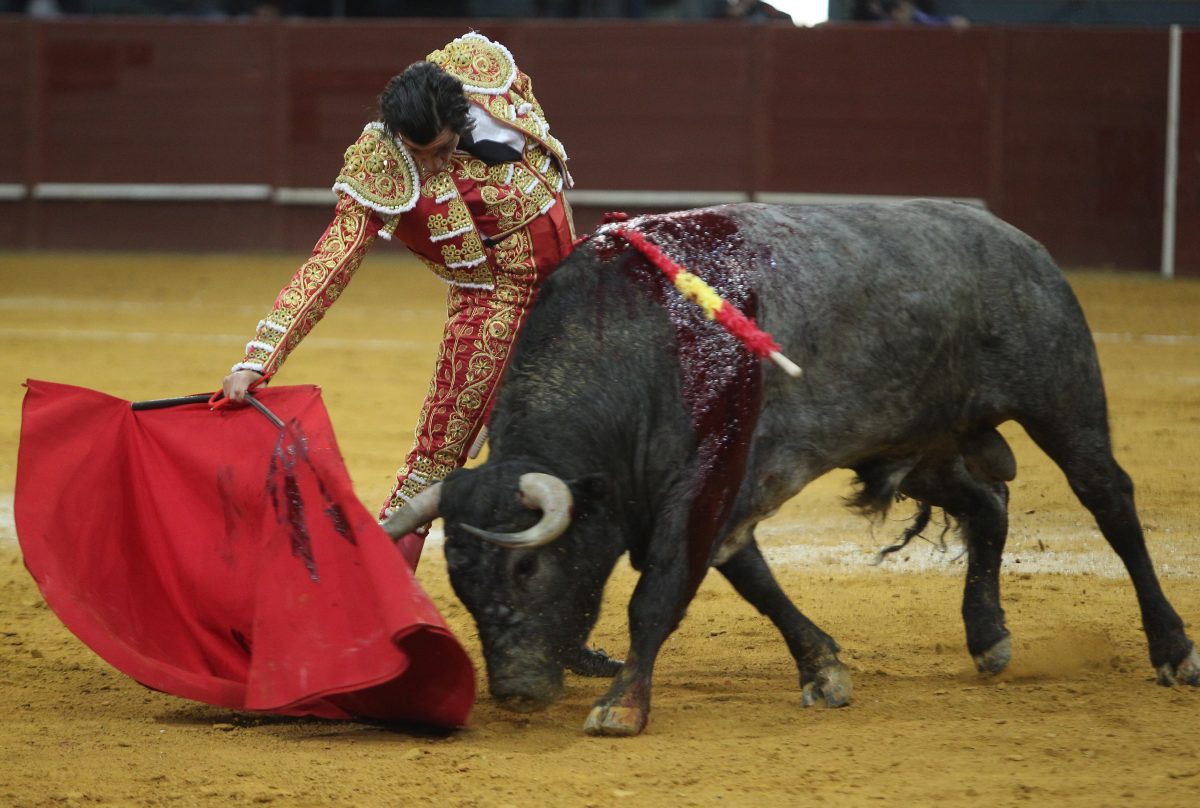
(589, 487)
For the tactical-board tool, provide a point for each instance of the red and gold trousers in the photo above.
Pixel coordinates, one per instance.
(481, 327)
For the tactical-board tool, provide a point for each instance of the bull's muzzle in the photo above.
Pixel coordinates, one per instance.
(524, 695)
(521, 680)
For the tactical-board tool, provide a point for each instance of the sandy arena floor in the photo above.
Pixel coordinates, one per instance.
(1076, 721)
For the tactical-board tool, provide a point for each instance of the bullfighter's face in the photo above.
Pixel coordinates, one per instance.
(433, 156)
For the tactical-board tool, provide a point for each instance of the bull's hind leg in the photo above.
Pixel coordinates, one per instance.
(1085, 455)
(822, 675)
(981, 510)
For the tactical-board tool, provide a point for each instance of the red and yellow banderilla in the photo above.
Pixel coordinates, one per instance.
(715, 307)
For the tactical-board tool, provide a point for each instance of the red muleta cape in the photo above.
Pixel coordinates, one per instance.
(211, 555)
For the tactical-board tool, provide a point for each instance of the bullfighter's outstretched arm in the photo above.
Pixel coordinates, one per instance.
(314, 288)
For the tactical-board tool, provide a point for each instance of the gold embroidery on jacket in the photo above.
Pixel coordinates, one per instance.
(500, 108)
(479, 276)
(438, 186)
(476, 61)
(314, 288)
(471, 168)
(389, 227)
(456, 221)
(468, 254)
(499, 174)
(378, 173)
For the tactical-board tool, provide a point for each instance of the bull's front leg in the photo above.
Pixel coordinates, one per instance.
(823, 677)
(657, 606)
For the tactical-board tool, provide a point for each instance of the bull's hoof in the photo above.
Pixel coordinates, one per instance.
(589, 662)
(832, 684)
(1186, 672)
(615, 721)
(996, 658)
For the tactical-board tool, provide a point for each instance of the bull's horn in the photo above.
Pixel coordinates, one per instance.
(420, 510)
(543, 492)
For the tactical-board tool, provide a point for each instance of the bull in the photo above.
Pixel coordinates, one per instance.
(627, 423)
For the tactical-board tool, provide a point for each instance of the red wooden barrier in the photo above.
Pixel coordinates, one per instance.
(1060, 131)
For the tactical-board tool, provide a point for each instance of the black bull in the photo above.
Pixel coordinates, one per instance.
(919, 327)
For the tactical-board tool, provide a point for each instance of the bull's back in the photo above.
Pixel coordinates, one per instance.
(908, 317)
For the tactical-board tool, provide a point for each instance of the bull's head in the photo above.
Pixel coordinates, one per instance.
(524, 556)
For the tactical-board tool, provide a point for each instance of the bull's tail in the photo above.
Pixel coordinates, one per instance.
(919, 523)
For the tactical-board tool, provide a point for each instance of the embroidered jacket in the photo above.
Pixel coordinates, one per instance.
(448, 219)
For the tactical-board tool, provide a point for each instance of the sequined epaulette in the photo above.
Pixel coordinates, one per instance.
(483, 66)
(378, 173)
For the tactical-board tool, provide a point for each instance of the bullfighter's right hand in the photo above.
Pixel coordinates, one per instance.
(237, 383)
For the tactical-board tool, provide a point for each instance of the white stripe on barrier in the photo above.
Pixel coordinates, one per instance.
(655, 199)
(304, 196)
(100, 335)
(150, 192)
(232, 192)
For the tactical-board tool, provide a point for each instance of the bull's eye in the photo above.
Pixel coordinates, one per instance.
(525, 568)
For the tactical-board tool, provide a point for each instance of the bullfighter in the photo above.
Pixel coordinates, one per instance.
(462, 169)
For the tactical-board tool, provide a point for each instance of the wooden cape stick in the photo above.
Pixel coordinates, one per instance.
(203, 398)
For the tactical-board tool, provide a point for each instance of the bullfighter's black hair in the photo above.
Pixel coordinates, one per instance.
(422, 101)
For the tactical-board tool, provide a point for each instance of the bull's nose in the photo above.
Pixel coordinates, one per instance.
(524, 703)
